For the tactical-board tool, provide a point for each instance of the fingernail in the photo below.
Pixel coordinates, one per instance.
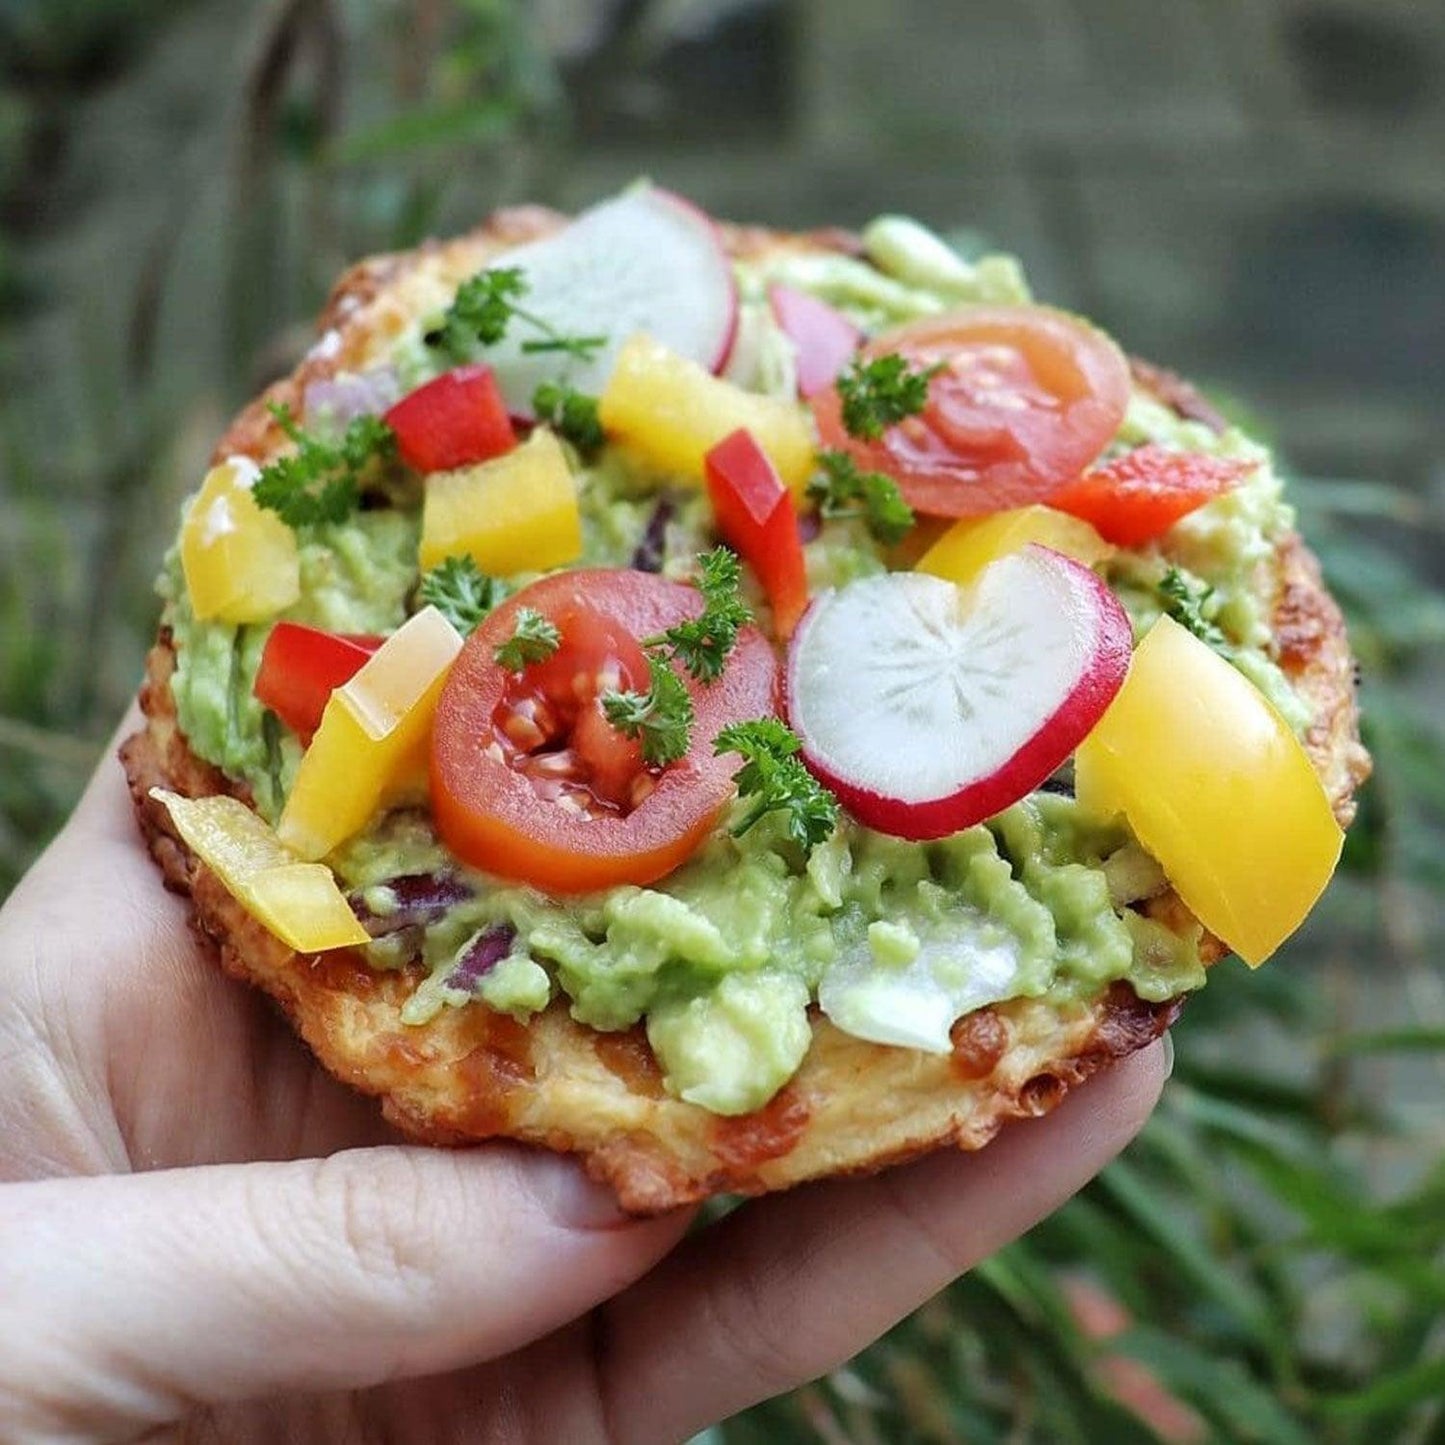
(561, 1187)
(1168, 1042)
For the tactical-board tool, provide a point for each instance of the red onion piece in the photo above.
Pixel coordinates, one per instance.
(651, 551)
(340, 399)
(421, 898)
(483, 954)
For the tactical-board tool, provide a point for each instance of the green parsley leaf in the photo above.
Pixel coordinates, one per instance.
(1186, 607)
(480, 312)
(483, 310)
(702, 643)
(321, 481)
(534, 639)
(571, 414)
(845, 491)
(461, 592)
(774, 777)
(581, 347)
(880, 393)
(661, 717)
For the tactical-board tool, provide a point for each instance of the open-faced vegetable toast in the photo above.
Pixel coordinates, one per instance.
(743, 707)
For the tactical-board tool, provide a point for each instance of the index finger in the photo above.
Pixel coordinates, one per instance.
(787, 1288)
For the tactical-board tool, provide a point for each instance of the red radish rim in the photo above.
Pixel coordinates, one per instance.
(859, 336)
(702, 218)
(1052, 742)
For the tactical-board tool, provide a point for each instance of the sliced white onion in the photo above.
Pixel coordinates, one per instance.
(915, 1005)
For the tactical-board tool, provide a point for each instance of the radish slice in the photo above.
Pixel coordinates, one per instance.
(644, 261)
(928, 707)
(823, 338)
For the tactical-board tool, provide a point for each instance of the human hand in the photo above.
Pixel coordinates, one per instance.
(200, 1229)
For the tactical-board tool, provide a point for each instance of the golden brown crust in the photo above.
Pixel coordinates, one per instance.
(1314, 652)
(471, 1074)
(1182, 397)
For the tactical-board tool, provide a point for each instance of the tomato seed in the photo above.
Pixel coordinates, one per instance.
(564, 765)
(522, 731)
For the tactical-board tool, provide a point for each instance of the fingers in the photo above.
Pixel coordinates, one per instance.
(785, 1289)
(134, 1299)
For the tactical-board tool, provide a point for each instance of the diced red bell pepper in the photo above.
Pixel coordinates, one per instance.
(755, 516)
(1139, 496)
(301, 667)
(452, 421)
(824, 339)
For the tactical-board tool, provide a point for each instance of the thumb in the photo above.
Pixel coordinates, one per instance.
(128, 1300)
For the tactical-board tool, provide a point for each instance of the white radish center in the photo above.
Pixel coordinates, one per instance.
(640, 262)
(915, 688)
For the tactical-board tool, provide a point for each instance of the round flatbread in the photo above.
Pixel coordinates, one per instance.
(471, 1074)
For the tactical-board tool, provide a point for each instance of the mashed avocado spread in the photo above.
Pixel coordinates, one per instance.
(722, 959)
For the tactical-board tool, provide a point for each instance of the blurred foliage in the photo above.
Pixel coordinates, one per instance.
(1268, 1263)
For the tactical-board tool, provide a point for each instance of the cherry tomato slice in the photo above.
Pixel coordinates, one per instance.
(452, 421)
(755, 515)
(301, 667)
(528, 779)
(550, 718)
(1136, 498)
(1027, 399)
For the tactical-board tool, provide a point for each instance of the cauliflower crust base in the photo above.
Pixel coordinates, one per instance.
(471, 1074)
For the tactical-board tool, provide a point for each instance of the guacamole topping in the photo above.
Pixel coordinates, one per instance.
(722, 959)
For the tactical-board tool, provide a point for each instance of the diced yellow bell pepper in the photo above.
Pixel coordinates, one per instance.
(373, 737)
(240, 561)
(971, 544)
(1217, 788)
(516, 513)
(299, 902)
(670, 412)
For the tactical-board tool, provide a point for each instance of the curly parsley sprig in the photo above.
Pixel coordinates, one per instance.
(1186, 606)
(662, 717)
(483, 310)
(461, 592)
(844, 490)
(880, 393)
(774, 778)
(571, 414)
(702, 643)
(321, 481)
(534, 639)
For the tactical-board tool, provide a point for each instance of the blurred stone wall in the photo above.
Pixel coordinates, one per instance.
(1251, 190)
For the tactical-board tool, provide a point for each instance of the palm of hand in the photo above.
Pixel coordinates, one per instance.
(141, 1054)
(124, 1048)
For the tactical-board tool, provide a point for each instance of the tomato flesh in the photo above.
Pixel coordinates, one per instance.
(530, 781)
(302, 666)
(1139, 496)
(454, 420)
(550, 726)
(1026, 399)
(755, 516)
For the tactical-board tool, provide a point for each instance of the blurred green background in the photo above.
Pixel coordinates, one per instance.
(1252, 191)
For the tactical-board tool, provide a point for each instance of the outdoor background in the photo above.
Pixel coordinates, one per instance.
(1251, 191)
